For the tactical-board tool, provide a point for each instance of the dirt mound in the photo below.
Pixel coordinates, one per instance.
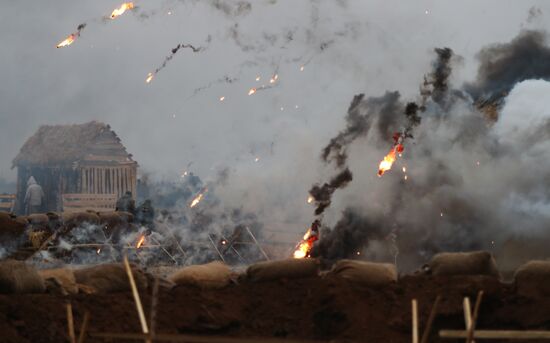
(363, 273)
(533, 279)
(463, 263)
(213, 275)
(283, 269)
(19, 277)
(108, 278)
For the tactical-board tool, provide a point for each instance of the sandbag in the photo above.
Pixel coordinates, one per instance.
(72, 220)
(463, 263)
(64, 277)
(364, 273)
(39, 219)
(213, 275)
(283, 269)
(19, 277)
(11, 229)
(107, 278)
(533, 279)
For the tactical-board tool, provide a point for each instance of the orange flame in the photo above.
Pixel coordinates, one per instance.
(140, 241)
(387, 162)
(303, 249)
(68, 41)
(123, 8)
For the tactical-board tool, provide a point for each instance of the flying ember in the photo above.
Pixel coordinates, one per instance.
(198, 198)
(149, 77)
(252, 91)
(123, 8)
(310, 199)
(140, 241)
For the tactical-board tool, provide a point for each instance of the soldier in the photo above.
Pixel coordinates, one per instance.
(34, 197)
(126, 203)
(145, 215)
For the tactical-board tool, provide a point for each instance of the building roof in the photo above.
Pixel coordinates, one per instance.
(88, 143)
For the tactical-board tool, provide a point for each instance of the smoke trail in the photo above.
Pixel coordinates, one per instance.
(322, 194)
(168, 58)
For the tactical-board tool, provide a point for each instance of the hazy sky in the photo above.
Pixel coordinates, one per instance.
(348, 47)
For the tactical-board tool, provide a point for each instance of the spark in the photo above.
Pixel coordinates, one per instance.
(149, 78)
(477, 163)
(119, 11)
(224, 242)
(174, 116)
(282, 108)
(302, 68)
(222, 98)
(405, 177)
(441, 214)
(404, 169)
(98, 251)
(427, 12)
(257, 78)
(169, 12)
(358, 253)
(256, 159)
(296, 107)
(252, 91)
(310, 199)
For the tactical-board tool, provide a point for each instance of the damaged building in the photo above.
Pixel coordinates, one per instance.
(81, 165)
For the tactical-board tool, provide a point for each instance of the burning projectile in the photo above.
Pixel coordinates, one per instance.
(71, 38)
(390, 158)
(123, 8)
(198, 198)
(252, 91)
(303, 249)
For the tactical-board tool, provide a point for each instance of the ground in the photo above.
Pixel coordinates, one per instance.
(312, 309)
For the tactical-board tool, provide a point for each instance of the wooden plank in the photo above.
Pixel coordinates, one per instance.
(196, 339)
(496, 334)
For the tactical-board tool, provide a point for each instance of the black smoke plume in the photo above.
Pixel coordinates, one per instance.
(504, 65)
(323, 193)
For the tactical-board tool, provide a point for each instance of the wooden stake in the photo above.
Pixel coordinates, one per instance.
(137, 299)
(257, 243)
(414, 321)
(84, 327)
(474, 318)
(70, 323)
(431, 318)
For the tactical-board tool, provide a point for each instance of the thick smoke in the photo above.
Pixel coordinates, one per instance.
(504, 65)
(471, 185)
(323, 193)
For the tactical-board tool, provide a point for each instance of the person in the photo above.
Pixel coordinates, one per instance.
(126, 203)
(145, 215)
(34, 197)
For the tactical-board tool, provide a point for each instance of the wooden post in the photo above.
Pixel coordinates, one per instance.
(431, 318)
(414, 321)
(84, 327)
(474, 318)
(137, 299)
(70, 323)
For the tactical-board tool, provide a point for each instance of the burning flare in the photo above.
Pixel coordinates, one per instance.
(252, 91)
(123, 8)
(149, 78)
(390, 158)
(68, 41)
(310, 199)
(303, 249)
(140, 241)
(197, 199)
